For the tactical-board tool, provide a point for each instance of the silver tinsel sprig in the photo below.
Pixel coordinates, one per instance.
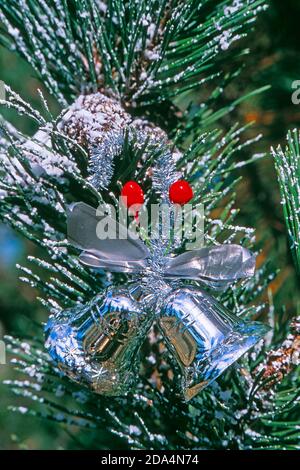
(152, 141)
(102, 158)
(164, 172)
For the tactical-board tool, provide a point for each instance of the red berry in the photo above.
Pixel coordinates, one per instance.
(132, 194)
(180, 192)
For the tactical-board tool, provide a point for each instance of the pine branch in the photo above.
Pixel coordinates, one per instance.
(246, 415)
(150, 52)
(141, 51)
(287, 164)
(34, 203)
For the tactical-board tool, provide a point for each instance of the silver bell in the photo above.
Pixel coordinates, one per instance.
(204, 336)
(98, 343)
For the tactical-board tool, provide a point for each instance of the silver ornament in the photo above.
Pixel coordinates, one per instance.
(204, 336)
(97, 344)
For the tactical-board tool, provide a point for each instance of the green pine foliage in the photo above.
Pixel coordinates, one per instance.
(144, 54)
(287, 164)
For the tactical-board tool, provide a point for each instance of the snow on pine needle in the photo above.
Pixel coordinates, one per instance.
(140, 51)
(287, 164)
(36, 173)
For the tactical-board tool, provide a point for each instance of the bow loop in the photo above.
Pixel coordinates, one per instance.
(124, 253)
(217, 266)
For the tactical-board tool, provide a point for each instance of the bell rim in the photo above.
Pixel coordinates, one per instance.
(247, 340)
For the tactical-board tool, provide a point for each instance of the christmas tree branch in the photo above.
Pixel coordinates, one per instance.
(287, 164)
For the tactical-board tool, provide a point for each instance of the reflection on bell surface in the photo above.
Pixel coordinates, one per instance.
(204, 336)
(98, 343)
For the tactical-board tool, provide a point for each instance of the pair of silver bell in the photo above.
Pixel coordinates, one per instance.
(98, 343)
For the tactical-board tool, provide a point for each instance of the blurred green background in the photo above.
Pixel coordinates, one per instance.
(274, 60)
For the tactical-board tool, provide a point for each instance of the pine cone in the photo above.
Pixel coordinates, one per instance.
(282, 361)
(92, 117)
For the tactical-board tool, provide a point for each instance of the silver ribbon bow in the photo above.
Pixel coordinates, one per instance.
(217, 266)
